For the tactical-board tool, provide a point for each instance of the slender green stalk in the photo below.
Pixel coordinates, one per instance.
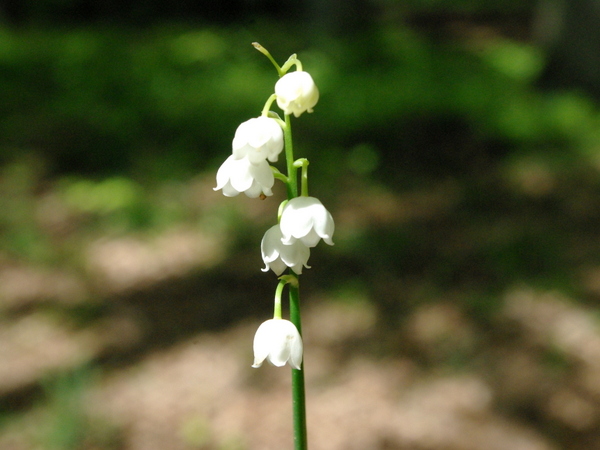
(277, 307)
(292, 185)
(298, 396)
(268, 103)
(303, 163)
(265, 52)
(304, 177)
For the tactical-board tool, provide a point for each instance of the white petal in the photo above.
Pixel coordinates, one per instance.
(277, 266)
(270, 243)
(262, 343)
(311, 239)
(296, 353)
(270, 254)
(287, 338)
(258, 139)
(263, 174)
(240, 139)
(295, 221)
(223, 178)
(223, 174)
(241, 150)
(256, 155)
(258, 131)
(325, 226)
(229, 190)
(255, 190)
(295, 256)
(280, 353)
(239, 175)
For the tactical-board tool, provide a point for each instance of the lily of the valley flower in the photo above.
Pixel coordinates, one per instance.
(240, 175)
(278, 341)
(258, 139)
(296, 93)
(279, 257)
(307, 220)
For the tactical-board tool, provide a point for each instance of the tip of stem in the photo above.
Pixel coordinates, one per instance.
(260, 48)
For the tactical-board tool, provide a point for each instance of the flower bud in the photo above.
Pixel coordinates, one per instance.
(258, 139)
(278, 341)
(296, 92)
(240, 175)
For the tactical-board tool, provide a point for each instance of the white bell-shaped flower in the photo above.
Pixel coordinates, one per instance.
(296, 92)
(240, 175)
(278, 341)
(258, 139)
(307, 220)
(279, 257)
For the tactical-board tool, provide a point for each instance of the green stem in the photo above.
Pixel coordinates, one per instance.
(289, 157)
(292, 61)
(303, 163)
(277, 307)
(304, 178)
(265, 52)
(278, 175)
(268, 103)
(298, 396)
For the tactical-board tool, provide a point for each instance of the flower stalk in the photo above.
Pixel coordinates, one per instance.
(302, 221)
(292, 186)
(303, 163)
(298, 390)
(265, 52)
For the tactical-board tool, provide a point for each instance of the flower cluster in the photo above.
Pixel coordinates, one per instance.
(303, 220)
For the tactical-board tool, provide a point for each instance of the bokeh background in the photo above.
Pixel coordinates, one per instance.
(457, 144)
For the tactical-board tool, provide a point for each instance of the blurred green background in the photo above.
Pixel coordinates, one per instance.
(457, 145)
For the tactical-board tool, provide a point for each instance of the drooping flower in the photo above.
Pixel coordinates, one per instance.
(278, 341)
(279, 257)
(296, 92)
(240, 175)
(307, 220)
(258, 139)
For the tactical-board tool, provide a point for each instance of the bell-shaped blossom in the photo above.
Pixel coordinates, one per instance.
(258, 139)
(306, 219)
(279, 257)
(296, 92)
(278, 341)
(240, 175)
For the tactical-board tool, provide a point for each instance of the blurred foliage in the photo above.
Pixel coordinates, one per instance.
(161, 102)
(108, 100)
(110, 112)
